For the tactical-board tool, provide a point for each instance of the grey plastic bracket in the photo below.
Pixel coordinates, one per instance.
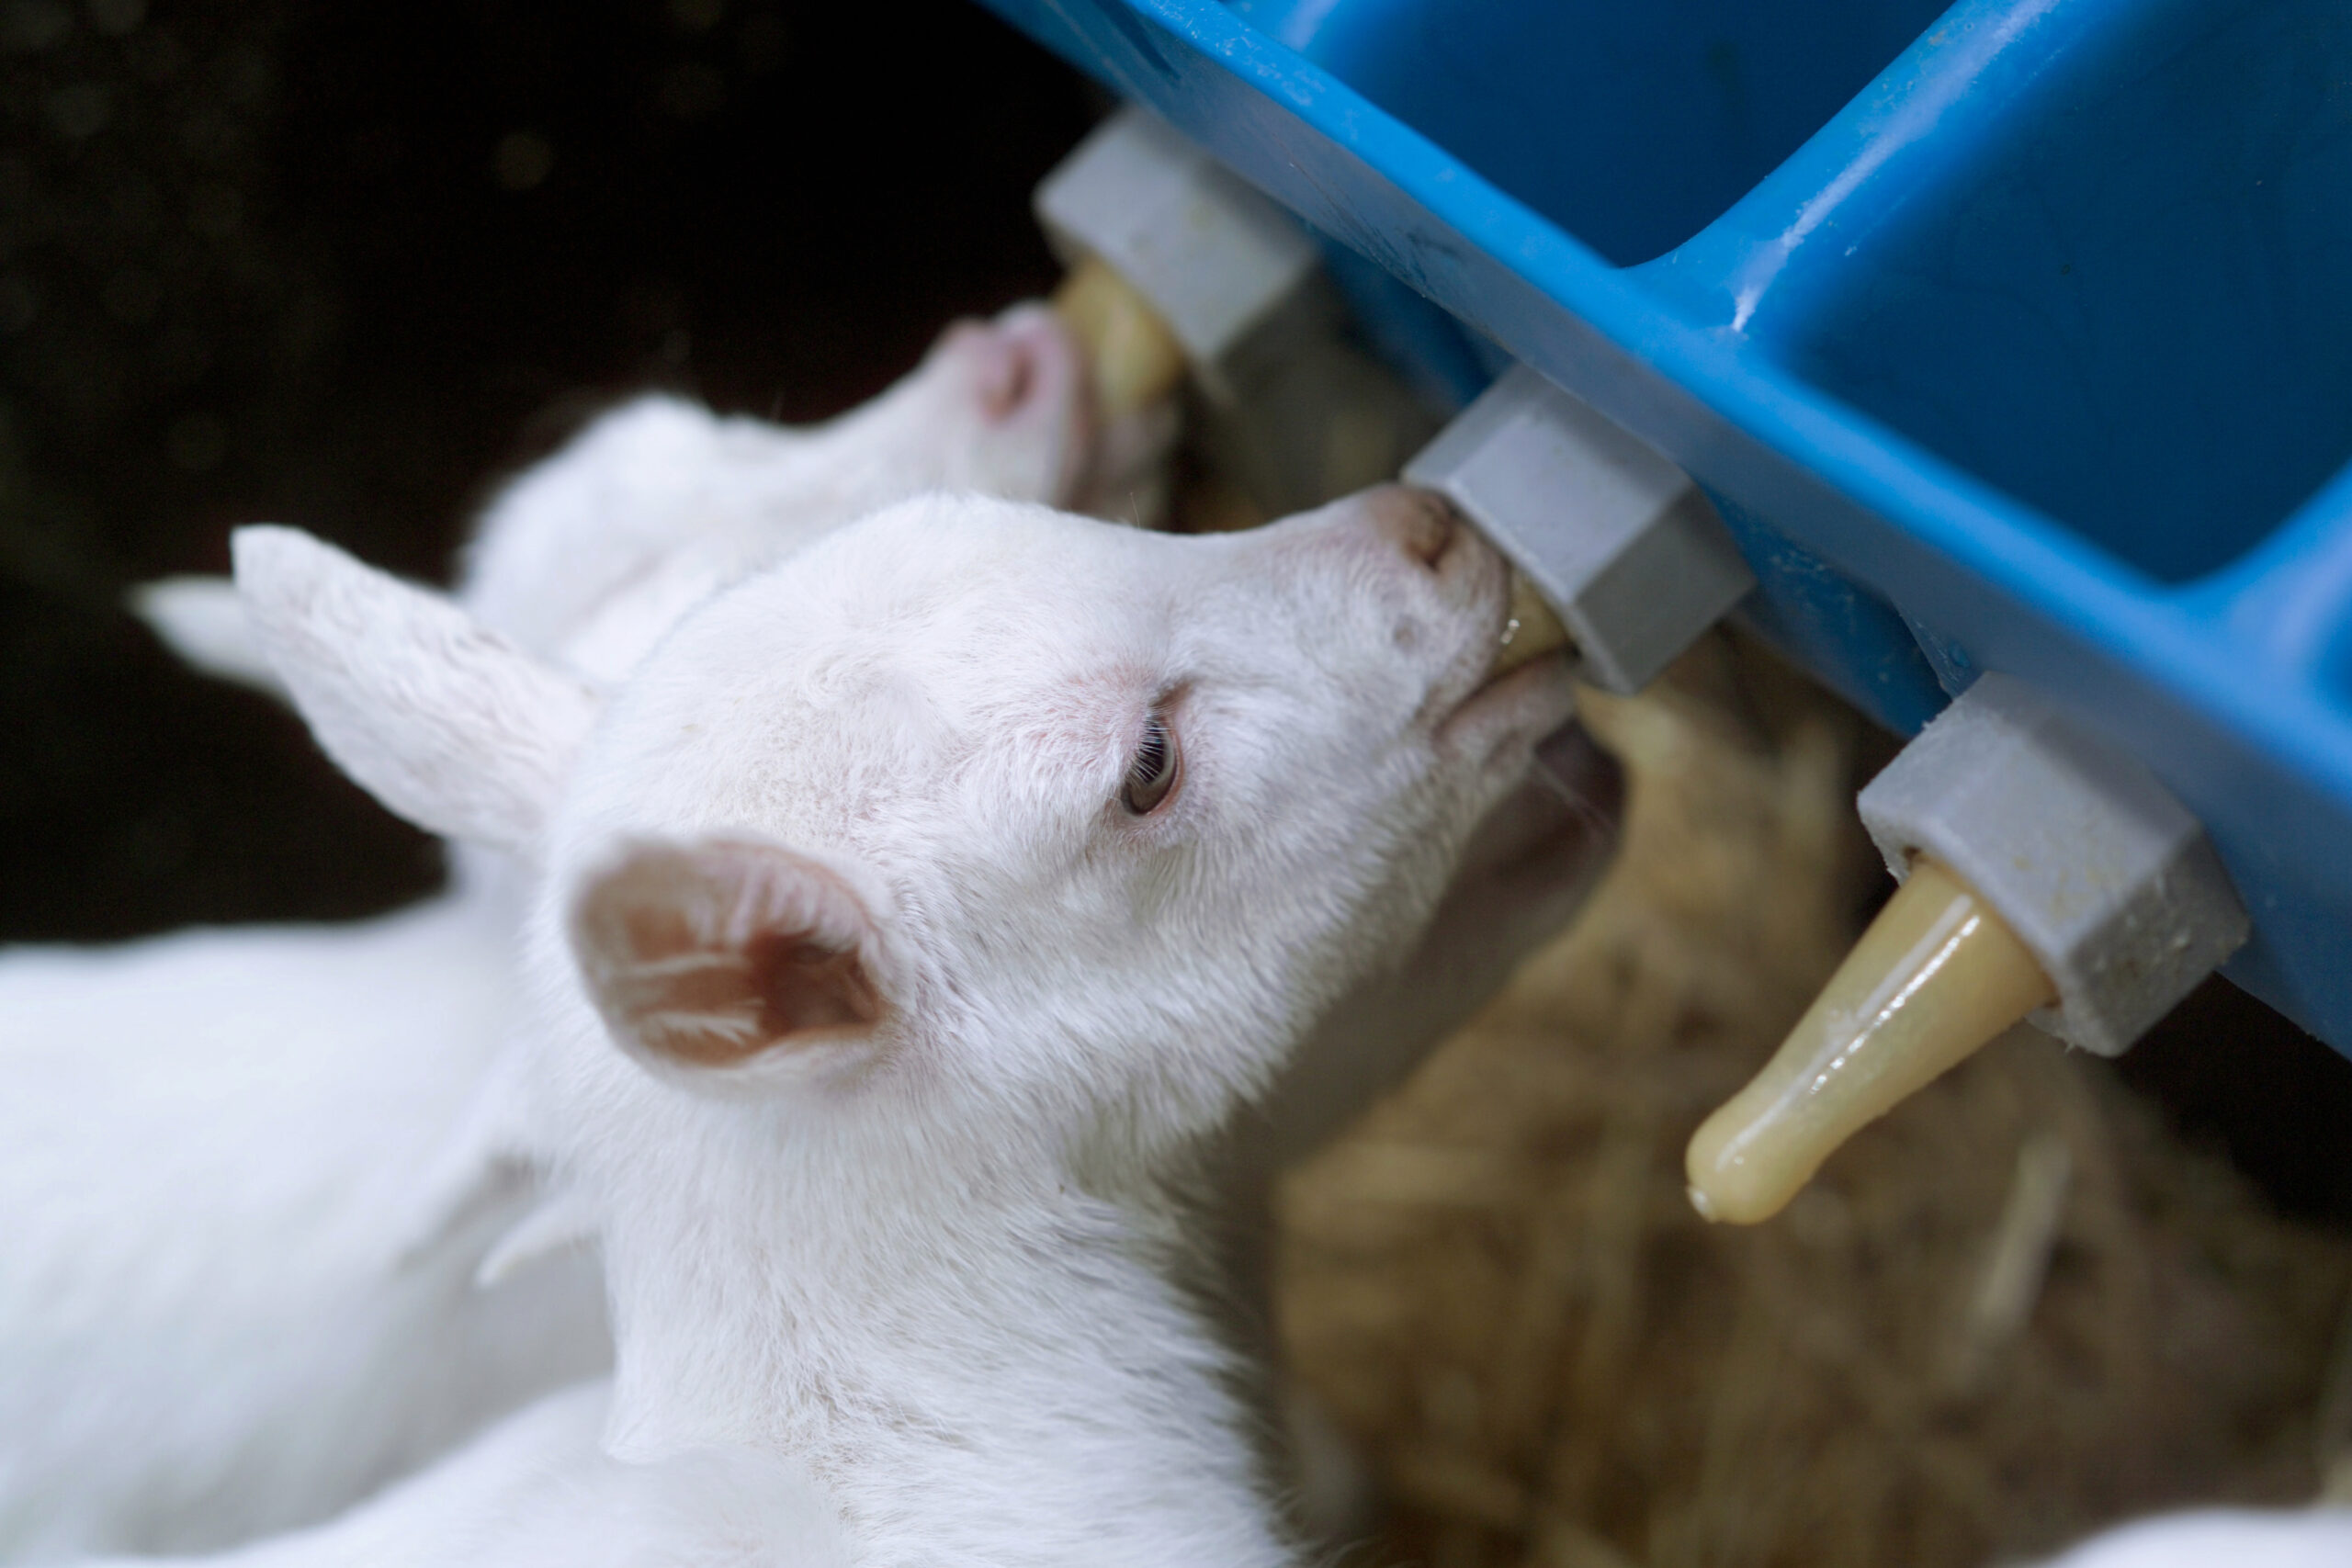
(2107, 880)
(1627, 550)
(1232, 274)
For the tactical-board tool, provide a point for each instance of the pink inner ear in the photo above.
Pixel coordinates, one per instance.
(805, 985)
(713, 954)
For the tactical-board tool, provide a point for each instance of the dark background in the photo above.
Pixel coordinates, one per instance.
(344, 264)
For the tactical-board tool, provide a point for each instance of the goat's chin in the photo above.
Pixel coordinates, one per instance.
(1514, 709)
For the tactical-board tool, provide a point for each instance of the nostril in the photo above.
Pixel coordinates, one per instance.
(1008, 372)
(1002, 365)
(1423, 524)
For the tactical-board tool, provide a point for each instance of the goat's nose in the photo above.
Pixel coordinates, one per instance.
(1421, 522)
(1008, 373)
(1002, 361)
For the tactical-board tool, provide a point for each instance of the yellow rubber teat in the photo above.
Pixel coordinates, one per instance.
(1937, 975)
(1531, 630)
(1134, 358)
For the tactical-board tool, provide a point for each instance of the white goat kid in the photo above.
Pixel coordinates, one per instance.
(592, 554)
(216, 1146)
(911, 915)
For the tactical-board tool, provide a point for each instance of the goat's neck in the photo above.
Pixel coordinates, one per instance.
(943, 1350)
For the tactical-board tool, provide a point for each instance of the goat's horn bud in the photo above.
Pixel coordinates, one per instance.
(1937, 975)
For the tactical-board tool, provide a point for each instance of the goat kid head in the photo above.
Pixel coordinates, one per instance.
(973, 822)
(590, 556)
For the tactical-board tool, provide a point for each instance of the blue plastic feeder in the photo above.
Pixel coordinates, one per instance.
(2019, 343)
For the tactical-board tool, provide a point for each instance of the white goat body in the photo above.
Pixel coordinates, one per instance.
(518, 1494)
(870, 1026)
(874, 1017)
(224, 1307)
(885, 1293)
(2222, 1538)
(207, 1330)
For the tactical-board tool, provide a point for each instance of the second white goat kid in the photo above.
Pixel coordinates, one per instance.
(592, 554)
(910, 917)
(229, 1304)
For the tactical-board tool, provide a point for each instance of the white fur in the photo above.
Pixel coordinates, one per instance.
(341, 639)
(659, 505)
(2222, 1538)
(591, 555)
(207, 1334)
(918, 1260)
(203, 621)
(242, 1210)
(517, 1496)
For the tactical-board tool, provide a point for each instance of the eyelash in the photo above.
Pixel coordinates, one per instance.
(1154, 773)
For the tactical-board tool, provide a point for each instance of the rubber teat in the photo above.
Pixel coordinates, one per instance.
(1134, 360)
(1937, 975)
(1134, 357)
(1531, 630)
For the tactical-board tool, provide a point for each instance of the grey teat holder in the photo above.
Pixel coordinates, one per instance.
(1233, 275)
(1622, 544)
(2109, 881)
(1625, 547)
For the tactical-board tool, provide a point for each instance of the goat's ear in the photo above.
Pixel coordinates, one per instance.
(202, 619)
(732, 958)
(446, 722)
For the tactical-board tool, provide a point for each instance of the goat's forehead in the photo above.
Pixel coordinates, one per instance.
(950, 577)
(950, 630)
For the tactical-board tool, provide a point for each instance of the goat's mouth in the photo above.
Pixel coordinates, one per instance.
(1526, 633)
(1509, 683)
(1520, 688)
(1522, 629)
(1532, 629)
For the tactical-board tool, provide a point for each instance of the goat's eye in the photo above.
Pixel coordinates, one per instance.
(1153, 774)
